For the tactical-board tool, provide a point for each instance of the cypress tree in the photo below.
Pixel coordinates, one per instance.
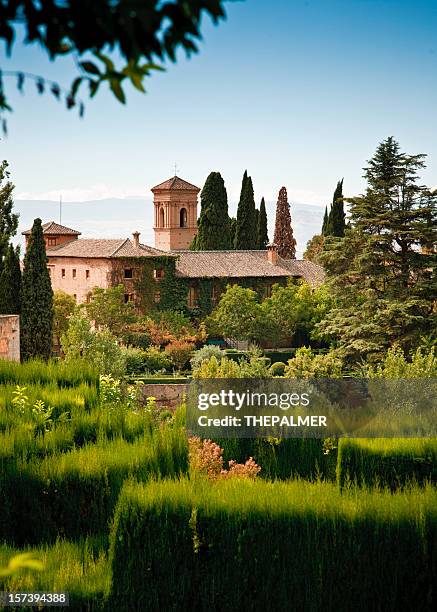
(325, 222)
(36, 299)
(284, 239)
(263, 237)
(232, 230)
(10, 282)
(336, 220)
(214, 231)
(8, 220)
(246, 230)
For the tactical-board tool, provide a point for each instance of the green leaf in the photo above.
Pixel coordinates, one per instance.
(117, 90)
(108, 63)
(90, 67)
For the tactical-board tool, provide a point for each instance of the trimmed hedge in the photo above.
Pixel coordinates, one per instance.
(387, 462)
(54, 372)
(241, 545)
(74, 494)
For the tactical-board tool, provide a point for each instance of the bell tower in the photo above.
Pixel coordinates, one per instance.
(175, 204)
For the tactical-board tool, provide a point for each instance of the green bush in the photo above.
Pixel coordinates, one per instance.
(135, 359)
(242, 545)
(156, 360)
(277, 368)
(306, 364)
(59, 373)
(387, 462)
(73, 494)
(204, 354)
(79, 568)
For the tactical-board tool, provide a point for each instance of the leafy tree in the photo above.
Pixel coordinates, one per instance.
(141, 34)
(335, 224)
(8, 220)
(314, 248)
(97, 347)
(382, 275)
(213, 229)
(64, 305)
(263, 237)
(10, 282)
(107, 308)
(36, 299)
(238, 313)
(284, 238)
(246, 229)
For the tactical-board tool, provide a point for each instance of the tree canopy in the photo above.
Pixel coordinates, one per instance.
(283, 237)
(214, 225)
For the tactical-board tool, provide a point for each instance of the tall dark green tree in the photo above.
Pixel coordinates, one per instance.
(263, 237)
(382, 275)
(36, 299)
(335, 224)
(325, 222)
(214, 226)
(246, 229)
(232, 230)
(8, 220)
(284, 238)
(10, 282)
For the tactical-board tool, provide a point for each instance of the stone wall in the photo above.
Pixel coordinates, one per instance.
(10, 337)
(169, 395)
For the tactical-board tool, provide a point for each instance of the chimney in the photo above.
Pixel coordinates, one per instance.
(272, 253)
(136, 236)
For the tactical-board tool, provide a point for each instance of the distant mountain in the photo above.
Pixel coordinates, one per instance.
(119, 217)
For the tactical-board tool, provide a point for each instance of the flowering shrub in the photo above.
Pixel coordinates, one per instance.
(206, 457)
(179, 352)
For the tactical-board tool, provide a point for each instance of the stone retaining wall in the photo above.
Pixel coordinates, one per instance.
(168, 394)
(10, 337)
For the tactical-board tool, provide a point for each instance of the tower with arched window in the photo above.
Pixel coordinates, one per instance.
(175, 204)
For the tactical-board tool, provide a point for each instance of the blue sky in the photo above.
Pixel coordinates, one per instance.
(298, 92)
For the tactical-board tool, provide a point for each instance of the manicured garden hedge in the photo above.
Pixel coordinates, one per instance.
(387, 462)
(242, 545)
(54, 372)
(73, 494)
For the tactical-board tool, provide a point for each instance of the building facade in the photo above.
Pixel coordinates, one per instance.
(78, 265)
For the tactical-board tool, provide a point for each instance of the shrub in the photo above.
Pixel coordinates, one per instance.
(54, 372)
(135, 359)
(277, 368)
(206, 458)
(255, 545)
(156, 360)
(225, 368)
(387, 462)
(204, 354)
(423, 364)
(179, 352)
(307, 365)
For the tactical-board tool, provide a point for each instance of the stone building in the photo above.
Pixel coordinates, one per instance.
(77, 265)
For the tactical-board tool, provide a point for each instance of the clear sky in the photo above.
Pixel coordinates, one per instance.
(298, 92)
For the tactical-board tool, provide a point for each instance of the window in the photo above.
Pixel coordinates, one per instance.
(157, 296)
(75, 297)
(51, 242)
(51, 270)
(74, 272)
(192, 297)
(183, 217)
(63, 272)
(128, 273)
(161, 217)
(128, 297)
(87, 273)
(158, 273)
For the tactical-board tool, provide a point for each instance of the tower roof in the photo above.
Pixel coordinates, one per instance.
(175, 184)
(54, 229)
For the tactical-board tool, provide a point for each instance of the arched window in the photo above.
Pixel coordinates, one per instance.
(183, 217)
(161, 217)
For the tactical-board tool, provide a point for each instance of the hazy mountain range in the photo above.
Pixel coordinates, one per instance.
(119, 217)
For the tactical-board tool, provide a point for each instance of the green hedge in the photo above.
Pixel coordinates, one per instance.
(81, 569)
(278, 458)
(388, 462)
(73, 494)
(242, 545)
(62, 374)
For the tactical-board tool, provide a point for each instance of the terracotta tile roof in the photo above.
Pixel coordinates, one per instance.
(54, 228)
(103, 248)
(175, 184)
(241, 264)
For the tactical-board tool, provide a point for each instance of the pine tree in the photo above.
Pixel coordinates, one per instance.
(10, 282)
(284, 239)
(382, 282)
(214, 231)
(36, 299)
(263, 237)
(325, 222)
(246, 230)
(8, 220)
(335, 224)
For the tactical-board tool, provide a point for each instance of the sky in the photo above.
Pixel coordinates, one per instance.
(297, 92)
